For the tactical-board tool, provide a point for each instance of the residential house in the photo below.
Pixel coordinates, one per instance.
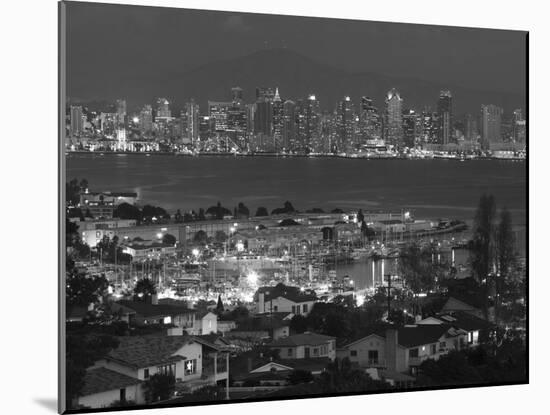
(403, 349)
(282, 298)
(304, 346)
(454, 304)
(142, 313)
(103, 387)
(194, 363)
(273, 326)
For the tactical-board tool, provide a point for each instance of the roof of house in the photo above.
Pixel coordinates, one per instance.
(152, 310)
(454, 304)
(465, 321)
(294, 294)
(263, 322)
(303, 339)
(145, 351)
(412, 336)
(100, 379)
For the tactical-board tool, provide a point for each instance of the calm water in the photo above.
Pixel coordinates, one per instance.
(429, 188)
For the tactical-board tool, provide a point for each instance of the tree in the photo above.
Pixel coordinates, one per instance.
(201, 215)
(287, 208)
(506, 256)
(300, 376)
(169, 239)
(336, 210)
(201, 237)
(178, 217)
(482, 252)
(82, 351)
(127, 211)
(298, 324)
(219, 306)
(83, 290)
(242, 210)
(220, 237)
(144, 290)
(261, 211)
(159, 387)
(360, 216)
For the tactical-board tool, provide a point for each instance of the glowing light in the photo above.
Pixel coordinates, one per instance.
(252, 277)
(135, 120)
(195, 252)
(240, 246)
(159, 235)
(360, 300)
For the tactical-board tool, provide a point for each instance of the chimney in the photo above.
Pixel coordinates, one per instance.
(261, 302)
(249, 365)
(154, 299)
(391, 348)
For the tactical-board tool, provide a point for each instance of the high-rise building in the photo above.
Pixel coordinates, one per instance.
(445, 117)
(412, 122)
(491, 125)
(163, 109)
(289, 124)
(312, 136)
(192, 121)
(429, 127)
(263, 114)
(519, 127)
(369, 120)
(300, 143)
(393, 118)
(278, 121)
(345, 125)
(237, 95)
(146, 119)
(470, 127)
(121, 112)
(219, 112)
(76, 121)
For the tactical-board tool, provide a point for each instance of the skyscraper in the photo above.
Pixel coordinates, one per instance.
(146, 119)
(369, 120)
(237, 95)
(289, 124)
(192, 118)
(77, 122)
(278, 121)
(393, 119)
(429, 127)
(163, 109)
(218, 112)
(312, 136)
(491, 125)
(263, 114)
(121, 112)
(470, 127)
(345, 125)
(519, 127)
(445, 116)
(411, 127)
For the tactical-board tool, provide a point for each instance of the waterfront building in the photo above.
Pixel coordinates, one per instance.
(429, 127)
(263, 115)
(76, 121)
(491, 125)
(205, 127)
(393, 118)
(445, 117)
(519, 127)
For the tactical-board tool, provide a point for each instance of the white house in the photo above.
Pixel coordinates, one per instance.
(282, 298)
(304, 346)
(205, 322)
(103, 387)
(405, 348)
(193, 362)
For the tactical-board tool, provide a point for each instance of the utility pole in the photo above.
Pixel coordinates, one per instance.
(389, 294)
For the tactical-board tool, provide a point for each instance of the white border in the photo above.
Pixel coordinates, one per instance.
(29, 177)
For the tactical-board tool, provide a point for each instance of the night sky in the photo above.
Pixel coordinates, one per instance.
(113, 42)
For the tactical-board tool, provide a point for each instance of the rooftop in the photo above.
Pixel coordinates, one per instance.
(101, 380)
(153, 310)
(307, 338)
(293, 294)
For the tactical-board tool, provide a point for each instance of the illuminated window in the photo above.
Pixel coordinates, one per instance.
(289, 352)
(146, 374)
(190, 367)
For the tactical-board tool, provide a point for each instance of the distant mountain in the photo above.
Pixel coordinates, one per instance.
(296, 76)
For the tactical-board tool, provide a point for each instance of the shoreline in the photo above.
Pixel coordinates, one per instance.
(274, 155)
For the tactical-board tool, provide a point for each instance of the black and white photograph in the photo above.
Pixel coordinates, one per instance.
(263, 207)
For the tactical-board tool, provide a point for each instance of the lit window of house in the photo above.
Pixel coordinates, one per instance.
(190, 367)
